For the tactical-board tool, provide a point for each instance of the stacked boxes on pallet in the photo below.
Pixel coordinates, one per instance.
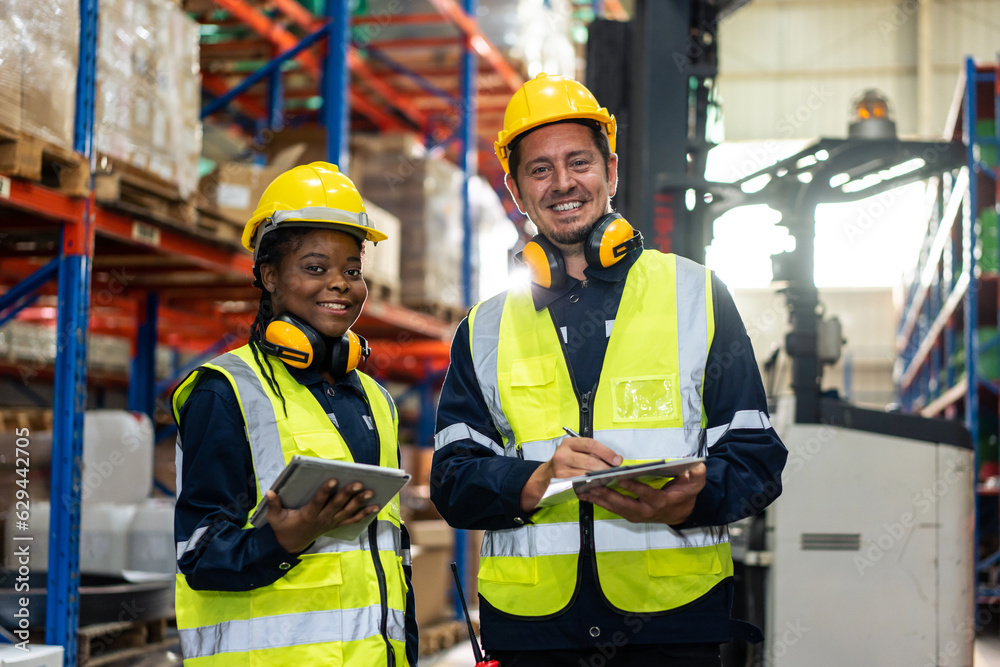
(148, 81)
(38, 57)
(425, 192)
(149, 89)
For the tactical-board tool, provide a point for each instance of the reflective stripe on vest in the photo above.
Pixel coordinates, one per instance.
(646, 406)
(336, 579)
(269, 632)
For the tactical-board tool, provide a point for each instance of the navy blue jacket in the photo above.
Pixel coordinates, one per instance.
(218, 487)
(474, 488)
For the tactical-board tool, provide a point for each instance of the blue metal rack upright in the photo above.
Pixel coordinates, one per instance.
(75, 262)
(954, 294)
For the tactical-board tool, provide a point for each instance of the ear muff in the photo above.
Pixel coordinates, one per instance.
(544, 262)
(346, 353)
(611, 239)
(298, 344)
(293, 341)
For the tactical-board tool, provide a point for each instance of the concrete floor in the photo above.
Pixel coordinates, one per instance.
(987, 654)
(987, 651)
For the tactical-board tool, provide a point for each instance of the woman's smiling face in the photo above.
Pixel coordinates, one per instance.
(319, 280)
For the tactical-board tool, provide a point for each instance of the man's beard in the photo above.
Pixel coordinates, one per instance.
(570, 236)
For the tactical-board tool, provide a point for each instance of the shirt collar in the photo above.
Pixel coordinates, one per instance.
(544, 297)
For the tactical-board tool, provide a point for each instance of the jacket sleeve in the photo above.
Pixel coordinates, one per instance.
(745, 455)
(215, 494)
(472, 484)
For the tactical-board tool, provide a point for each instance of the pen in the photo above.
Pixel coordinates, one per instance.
(571, 432)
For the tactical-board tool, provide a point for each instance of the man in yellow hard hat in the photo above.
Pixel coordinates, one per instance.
(614, 355)
(284, 591)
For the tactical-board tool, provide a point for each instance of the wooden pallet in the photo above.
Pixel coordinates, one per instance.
(121, 186)
(33, 419)
(26, 156)
(106, 643)
(382, 291)
(221, 227)
(441, 636)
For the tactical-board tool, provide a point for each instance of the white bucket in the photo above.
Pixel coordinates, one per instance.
(117, 457)
(104, 536)
(151, 537)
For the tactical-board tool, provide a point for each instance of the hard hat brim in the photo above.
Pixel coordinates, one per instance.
(317, 217)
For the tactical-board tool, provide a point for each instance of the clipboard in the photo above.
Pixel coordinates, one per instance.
(304, 475)
(561, 490)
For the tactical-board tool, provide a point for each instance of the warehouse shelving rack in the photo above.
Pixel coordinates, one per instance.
(940, 341)
(91, 240)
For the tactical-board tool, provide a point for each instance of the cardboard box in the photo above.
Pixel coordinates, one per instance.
(431, 552)
(236, 187)
(10, 75)
(147, 113)
(382, 261)
(417, 461)
(50, 49)
(425, 193)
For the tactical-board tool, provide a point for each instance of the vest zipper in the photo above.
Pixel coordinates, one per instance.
(587, 431)
(586, 509)
(382, 591)
(383, 594)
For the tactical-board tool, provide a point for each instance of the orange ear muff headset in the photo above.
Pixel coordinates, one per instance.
(296, 343)
(609, 240)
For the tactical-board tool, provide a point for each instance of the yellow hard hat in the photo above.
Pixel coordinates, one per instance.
(548, 99)
(313, 195)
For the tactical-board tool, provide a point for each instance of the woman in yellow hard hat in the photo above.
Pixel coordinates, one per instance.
(284, 593)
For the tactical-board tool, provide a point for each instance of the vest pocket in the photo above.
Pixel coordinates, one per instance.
(322, 444)
(315, 571)
(531, 382)
(683, 562)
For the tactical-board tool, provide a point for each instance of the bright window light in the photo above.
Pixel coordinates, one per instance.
(871, 242)
(868, 243)
(745, 239)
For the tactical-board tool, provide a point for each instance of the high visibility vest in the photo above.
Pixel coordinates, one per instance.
(345, 602)
(646, 405)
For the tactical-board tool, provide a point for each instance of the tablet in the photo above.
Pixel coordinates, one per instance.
(304, 475)
(562, 489)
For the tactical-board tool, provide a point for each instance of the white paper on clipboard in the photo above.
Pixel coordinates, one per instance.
(303, 476)
(561, 490)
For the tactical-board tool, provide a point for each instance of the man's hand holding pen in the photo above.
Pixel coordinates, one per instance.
(573, 457)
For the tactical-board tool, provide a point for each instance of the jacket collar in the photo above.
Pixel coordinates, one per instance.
(544, 297)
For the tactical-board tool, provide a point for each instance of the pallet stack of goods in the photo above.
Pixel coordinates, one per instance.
(425, 192)
(147, 129)
(38, 65)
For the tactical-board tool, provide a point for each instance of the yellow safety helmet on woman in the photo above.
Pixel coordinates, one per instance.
(313, 195)
(549, 99)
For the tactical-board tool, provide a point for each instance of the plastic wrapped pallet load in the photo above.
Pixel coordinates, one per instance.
(425, 192)
(382, 261)
(148, 97)
(41, 47)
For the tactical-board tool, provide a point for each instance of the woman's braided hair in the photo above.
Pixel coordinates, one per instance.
(274, 248)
